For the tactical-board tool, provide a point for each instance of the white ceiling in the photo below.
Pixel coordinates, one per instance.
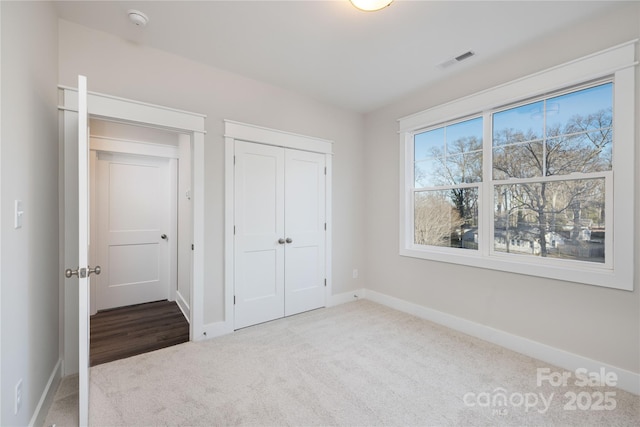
(329, 50)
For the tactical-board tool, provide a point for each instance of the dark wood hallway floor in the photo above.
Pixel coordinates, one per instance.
(127, 331)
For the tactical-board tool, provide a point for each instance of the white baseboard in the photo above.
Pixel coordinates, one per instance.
(346, 297)
(216, 329)
(183, 305)
(627, 380)
(49, 392)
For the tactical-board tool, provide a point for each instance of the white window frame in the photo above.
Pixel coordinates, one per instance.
(617, 63)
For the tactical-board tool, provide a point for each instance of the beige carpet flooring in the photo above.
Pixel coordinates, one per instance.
(358, 364)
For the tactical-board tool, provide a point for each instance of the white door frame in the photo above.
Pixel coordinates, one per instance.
(246, 132)
(136, 113)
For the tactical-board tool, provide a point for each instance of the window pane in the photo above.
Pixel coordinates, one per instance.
(447, 218)
(426, 173)
(518, 161)
(464, 168)
(577, 136)
(464, 136)
(580, 111)
(583, 152)
(429, 144)
(449, 155)
(519, 124)
(561, 219)
(579, 131)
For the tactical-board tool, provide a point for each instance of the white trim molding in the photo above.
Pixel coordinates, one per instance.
(263, 135)
(126, 110)
(627, 380)
(140, 148)
(48, 394)
(346, 297)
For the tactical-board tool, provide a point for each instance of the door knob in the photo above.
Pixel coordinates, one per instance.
(163, 237)
(281, 241)
(289, 240)
(82, 272)
(68, 273)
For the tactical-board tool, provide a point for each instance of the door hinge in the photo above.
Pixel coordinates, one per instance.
(325, 226)
(234, 160)
(325, 283)
(325, 170)
(234, 300)
(192, 246)
(234, 230)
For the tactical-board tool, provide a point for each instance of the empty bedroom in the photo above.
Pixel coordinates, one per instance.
(384, 212)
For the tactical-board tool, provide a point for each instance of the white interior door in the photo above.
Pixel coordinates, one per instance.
(259, 234)
(134, 206)
(305, 231)
(83, 252)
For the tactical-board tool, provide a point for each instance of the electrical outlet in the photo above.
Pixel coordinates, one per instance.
(18, 397)
(355, 273)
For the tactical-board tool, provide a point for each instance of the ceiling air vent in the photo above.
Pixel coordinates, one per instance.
(456, 59)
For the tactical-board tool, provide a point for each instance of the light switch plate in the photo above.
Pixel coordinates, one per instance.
(19, 213)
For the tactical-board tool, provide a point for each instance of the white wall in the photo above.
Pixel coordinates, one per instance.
(29, 270)
(117, 67)
(598, 323)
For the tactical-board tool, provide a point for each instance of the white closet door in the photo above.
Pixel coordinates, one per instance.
(304, 228)
(259, 226)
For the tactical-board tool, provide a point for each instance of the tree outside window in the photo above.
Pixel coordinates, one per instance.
(539, 148)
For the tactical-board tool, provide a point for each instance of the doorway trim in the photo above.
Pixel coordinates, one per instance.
(237, 131)
(111, 108)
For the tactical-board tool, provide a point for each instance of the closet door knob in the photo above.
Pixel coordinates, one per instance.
(289, 240)
(281, 241)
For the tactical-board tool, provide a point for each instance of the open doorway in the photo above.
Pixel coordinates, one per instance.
(140, 223)
(77, 105)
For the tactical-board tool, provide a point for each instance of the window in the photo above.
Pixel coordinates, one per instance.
(528, 185)
(447, 173)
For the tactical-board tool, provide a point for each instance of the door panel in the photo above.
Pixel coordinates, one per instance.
(83, 252)
(304, 225)
(134, 204)
(259, 224)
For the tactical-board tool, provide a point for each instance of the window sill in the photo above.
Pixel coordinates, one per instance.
(579, 272)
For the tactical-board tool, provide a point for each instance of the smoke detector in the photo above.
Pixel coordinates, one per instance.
(138, 18)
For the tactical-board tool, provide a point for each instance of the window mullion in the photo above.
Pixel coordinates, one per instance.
(544, 137)
(485, 213)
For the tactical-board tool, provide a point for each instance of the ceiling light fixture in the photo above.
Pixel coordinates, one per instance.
(371, 5)
(138, 18)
